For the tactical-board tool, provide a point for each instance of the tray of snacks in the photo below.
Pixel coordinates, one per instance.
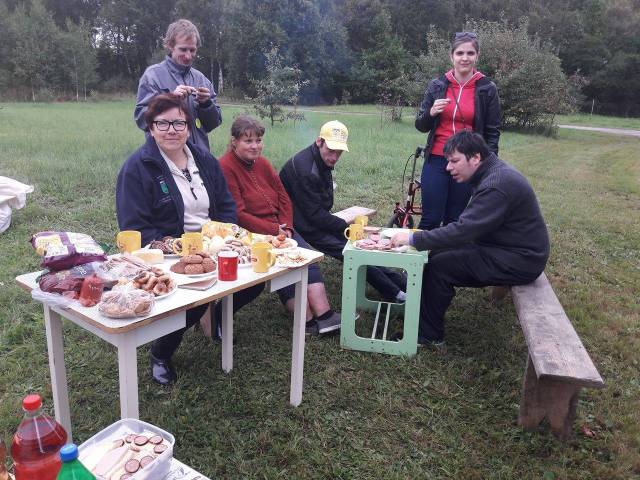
(128, 447)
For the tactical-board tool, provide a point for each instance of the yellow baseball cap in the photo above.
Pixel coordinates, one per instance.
(335, 134)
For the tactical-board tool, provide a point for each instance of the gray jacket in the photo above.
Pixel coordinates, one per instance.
(164, 77)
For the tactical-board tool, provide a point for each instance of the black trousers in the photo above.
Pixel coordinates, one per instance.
(386, 281)
(469, 266)
(164, 347)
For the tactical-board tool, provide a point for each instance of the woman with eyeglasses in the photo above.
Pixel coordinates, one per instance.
(167, 187)
(461, 99)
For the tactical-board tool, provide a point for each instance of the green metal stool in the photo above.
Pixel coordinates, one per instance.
(354, 299)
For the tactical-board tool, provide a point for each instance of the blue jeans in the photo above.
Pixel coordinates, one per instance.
(443, 199)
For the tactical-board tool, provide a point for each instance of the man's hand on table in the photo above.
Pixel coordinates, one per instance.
(400, 239)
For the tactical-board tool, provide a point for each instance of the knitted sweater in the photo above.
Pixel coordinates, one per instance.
(262, 202)
(503, 216)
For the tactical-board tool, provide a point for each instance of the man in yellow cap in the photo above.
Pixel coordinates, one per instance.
(307, 177)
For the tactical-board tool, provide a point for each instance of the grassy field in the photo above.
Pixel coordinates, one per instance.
(363, 416)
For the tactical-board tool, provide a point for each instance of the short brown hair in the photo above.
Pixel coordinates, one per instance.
(180, 27)
(163, 102)
(246, 124)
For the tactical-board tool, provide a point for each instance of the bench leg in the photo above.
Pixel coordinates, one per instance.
(552, 399)
(498, 293)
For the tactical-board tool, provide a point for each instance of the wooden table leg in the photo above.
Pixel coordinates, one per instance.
(128, 375)
(227, 333)
(55, 348)
(297, 351)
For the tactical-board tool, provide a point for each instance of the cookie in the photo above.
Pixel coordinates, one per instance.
(192, 259)
(178, 267)
(208, 265)
(194, 268)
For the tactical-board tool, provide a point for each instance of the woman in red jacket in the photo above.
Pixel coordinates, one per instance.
(461, 99)
(263, 206)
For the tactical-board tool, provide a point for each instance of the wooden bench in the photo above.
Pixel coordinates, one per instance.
(558, 366)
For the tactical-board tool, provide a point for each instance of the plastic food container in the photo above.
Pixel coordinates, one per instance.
(155, 470)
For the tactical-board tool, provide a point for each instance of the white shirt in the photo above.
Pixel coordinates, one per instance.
(194, 194)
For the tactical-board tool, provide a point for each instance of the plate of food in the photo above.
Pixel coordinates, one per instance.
(390, 232)
(281, 245)
(196, 265)
(171, 247)
(155, 281)
(291, 259)
(165, 295)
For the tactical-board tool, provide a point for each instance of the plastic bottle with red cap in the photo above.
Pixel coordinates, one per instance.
(37, 443)
(72, 469)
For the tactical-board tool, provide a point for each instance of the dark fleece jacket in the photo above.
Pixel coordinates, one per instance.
(503, 217)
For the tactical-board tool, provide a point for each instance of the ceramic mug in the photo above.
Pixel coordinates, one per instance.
(227, 265)
(129, 240)
(191, 243)
(362, 220)
(354, 232)
(262, 257)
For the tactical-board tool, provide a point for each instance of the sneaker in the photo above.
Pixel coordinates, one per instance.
(330, 324)
(311, 328)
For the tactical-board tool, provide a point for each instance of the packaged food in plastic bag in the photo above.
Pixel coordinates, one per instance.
(126, 302)
(69, 280)
(123, 266)
(63, 250)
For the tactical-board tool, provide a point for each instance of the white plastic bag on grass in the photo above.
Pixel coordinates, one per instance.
(13, 195)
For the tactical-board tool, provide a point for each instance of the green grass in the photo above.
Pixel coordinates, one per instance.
(363, 416)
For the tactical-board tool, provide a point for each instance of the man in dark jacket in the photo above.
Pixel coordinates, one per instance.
(307, 177)
(500, 238)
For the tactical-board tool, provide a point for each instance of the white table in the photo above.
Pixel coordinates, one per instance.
(168, 315)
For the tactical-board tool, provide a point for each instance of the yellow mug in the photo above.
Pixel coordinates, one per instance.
(129, 240)
(362, 220)
(191, 243)
(262, 257)
(354, 232)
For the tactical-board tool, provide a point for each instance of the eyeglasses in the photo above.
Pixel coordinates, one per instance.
(459, 35)
(163, 125)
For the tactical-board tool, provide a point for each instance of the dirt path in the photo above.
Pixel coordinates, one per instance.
(613, 131)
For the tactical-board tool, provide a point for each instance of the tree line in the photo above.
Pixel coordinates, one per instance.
(582, 53)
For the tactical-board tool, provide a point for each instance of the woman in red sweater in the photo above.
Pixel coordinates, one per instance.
(264, 207)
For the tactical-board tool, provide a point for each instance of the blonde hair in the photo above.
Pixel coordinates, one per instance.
(182, 27)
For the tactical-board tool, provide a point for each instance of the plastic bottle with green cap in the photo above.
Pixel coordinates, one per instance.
(72, 469)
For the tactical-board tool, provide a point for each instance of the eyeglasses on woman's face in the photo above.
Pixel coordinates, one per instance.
(163, 125)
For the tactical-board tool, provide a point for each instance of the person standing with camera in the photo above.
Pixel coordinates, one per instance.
(461, 99)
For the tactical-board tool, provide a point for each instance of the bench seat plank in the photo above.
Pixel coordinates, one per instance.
(554, 346)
